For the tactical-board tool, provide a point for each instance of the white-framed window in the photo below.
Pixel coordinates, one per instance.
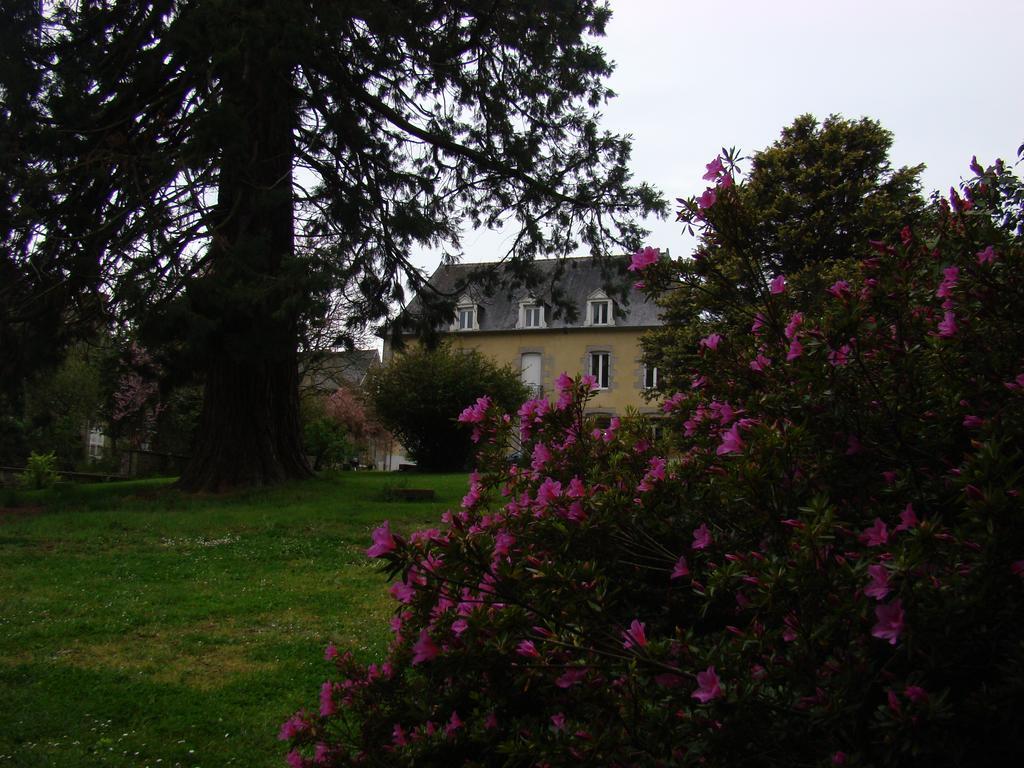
(600, 368)
(530, 370)
(531, 314)
(599, 309)
(650, 377)
(466, 316)
(96, 443)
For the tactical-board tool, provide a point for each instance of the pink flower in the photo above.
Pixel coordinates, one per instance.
(549, 491)
(643, 259)
(876, 535)
(681, 569)
(383, 541)
(294, 759)
(571, 677)
(292, 727)
(795, 321)
(987, 256)
(973, 422)
(714, 169)
(541, 456)
(758, 324)
(731, 441)
(840, 289)
(707, 199)
(327, 707)
(635, 636)
(589, 381)
(711, 341)
(777, 285)
(503, 543)
(558, 721)
(840, 357)
(709, 687)
(839, 757)
(893, 701)
(795, 350)
(403, 592)
(655, 473)
(424, 649)
(474, 414)
(701, 537)
(472, 497)
(528, 649)
(890, 622)
(879, 586)
(760, 362)
(916, 694)
(790, 627)
(951, 276)
(1017, 568)
(398, 736)
(459, 626)
(947, 328)
(322, 754)
(907, 518)
(454, 723)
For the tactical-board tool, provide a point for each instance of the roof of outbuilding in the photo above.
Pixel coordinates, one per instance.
(570, 282)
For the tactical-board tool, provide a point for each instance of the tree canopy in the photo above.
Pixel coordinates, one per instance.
(808, 209)
(223, 174)
(419, 395)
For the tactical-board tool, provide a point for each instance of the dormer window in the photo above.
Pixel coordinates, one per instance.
(466, 316)
(599, 309)
(531, 314)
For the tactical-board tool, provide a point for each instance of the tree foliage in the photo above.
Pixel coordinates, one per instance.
(823, 564)
(810, 205)
(229, 174)
(61, 406)
(420, 393)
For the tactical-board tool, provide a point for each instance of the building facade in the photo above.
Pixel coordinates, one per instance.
(528, 329)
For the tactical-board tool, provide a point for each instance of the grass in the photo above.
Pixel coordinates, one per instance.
(144, 627)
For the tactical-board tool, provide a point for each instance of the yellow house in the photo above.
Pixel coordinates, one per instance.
(524, 328)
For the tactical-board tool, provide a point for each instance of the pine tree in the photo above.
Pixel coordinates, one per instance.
(216, 171)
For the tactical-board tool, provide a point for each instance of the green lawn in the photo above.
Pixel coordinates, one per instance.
(143, 627)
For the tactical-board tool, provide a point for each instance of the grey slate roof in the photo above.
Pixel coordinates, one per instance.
(573, 283)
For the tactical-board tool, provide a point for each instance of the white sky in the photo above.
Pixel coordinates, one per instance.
(944, 77)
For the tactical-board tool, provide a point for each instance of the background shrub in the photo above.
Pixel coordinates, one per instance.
(419, 393)
(40, 471)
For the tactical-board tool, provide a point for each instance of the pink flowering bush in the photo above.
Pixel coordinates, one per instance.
(820, 563)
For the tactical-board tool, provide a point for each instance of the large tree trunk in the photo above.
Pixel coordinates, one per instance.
(249, 430)
(249, 433)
